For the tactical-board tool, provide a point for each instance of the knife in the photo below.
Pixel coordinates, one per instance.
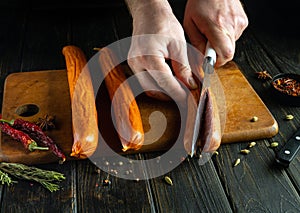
(208, 69)
(289, 151)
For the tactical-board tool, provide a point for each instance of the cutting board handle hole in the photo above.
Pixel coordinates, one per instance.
(27, 110)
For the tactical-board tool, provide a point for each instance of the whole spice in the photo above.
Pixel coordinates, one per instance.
(127, 114)
(289, 117)
(288, 86)
(216, 153)
(274, 144)
(237, 162)
(20, 136)
(46, 123)
(254, 119)
(263, 75)
(84, 112)
(45, 177)
(251, 144)
(168, 180)
(37, 133)
(245, 151)
(106, 182)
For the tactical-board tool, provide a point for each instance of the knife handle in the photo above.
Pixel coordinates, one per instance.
(211, 54)
(289, 151)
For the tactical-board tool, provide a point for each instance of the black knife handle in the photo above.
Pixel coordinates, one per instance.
(289, 151)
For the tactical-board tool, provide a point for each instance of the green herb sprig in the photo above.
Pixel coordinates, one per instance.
(45, 177)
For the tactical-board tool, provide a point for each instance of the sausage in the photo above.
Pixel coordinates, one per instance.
(84, 113)
(126, 111)
(210, 132)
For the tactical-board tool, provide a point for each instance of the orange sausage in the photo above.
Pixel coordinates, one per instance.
(84, 113)
(126, 111)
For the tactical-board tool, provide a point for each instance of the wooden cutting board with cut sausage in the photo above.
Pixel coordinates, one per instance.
(30, 95)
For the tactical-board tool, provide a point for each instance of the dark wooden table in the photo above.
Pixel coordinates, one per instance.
(31, 38)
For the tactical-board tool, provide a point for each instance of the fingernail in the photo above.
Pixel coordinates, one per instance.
(193, 83)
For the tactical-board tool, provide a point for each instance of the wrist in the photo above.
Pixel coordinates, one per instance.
(135, 6)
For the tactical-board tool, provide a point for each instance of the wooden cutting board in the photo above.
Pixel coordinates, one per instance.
(31, 95)
(48, 92)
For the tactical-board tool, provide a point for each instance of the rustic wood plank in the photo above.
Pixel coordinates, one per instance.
(255, 185)
(284, 51)
(121, 195)
(44, 36)
(248, 184)
(11, 41)
(12, 22)
(29, 196)
(196, 188)
(283, 55)
(98, 30)
(187, 194)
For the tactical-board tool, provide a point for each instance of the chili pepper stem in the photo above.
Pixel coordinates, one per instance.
(11, 122)
(33, 146)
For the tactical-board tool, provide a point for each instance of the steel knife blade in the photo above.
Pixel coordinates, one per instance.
(208, 69)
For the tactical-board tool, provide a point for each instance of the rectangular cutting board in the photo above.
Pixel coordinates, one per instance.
(32, 95)
(48, 90)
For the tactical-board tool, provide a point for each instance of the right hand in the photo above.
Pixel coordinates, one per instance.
(149, 52)
(221, 22)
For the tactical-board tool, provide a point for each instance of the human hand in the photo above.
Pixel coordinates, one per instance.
(221, 22)
(164, 40)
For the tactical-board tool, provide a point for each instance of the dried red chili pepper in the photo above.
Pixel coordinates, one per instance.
(37, 133)
(22, 137)
(287, 85)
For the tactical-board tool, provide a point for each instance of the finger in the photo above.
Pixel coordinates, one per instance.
(221, 39)
(224, 44)
(182, 68)
(197, 39)
(180, 63)
(165, 79)
(184, 74)
(145, 80)
(150, 87)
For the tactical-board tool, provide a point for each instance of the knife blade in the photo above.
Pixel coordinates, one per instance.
(208, 69)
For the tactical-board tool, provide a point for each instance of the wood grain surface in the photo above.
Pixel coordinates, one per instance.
(32, 95)
(47, 90)
(32, 38)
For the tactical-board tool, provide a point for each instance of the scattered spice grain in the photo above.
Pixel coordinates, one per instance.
(168, 180)
(237, 162)
(289, 117)
(251, 144)
(245, 151)
(106, 182)
(274, 144)
(263, 75)
(254, 119)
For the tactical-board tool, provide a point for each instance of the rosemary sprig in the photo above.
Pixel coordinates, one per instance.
(5, 179)
(45, 177)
